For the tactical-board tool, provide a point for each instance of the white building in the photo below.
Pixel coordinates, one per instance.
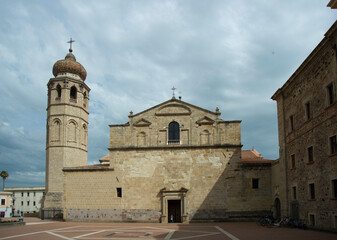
(5, 204)
(26, 199)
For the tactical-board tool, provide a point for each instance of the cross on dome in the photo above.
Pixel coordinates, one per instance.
(71, 41)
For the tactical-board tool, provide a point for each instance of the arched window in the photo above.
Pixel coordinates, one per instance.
(49, 96)
(72, 131)
(85, 99)
(174, 134)
(204, 137)
(84, 136)
(58, 89)
(73, 92)
(141, 139)
(56, 130)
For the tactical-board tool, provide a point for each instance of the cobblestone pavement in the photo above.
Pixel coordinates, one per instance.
(44, 229)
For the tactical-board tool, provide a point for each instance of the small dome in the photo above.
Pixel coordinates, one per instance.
(69, 65)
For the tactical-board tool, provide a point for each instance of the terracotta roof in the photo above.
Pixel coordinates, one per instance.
(106, 158)
(95, 165)
(247, 156)
(253, 156)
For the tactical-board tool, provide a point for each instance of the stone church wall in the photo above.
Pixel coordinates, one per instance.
(201, 172)
(218, 186)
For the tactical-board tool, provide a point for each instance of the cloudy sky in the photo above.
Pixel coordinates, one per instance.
(228, 54)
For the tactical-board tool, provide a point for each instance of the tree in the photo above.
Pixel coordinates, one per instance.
(4, 175)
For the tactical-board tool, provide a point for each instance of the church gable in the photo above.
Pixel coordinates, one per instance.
(175, 107)
(173, 110)
(174, 123)
(142, 123)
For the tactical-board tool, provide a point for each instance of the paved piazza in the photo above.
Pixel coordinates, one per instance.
(37, 229)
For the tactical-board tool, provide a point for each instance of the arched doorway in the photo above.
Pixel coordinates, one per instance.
(277, 205)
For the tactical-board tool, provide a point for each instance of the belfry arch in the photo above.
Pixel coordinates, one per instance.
(73, 93)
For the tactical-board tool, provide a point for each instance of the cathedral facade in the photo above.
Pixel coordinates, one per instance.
(174, 162)
(177, 162)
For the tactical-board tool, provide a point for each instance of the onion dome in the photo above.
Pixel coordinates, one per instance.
(69, 65)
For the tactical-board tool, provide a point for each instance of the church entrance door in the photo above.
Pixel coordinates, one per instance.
(174, 211)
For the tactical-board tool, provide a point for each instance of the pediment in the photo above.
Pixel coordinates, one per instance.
(177, 191)
(142, 123)
(205, 121)
(173, 110)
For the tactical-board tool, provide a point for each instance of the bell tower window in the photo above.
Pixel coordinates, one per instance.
(174, 133)
(85, 134)
(49, 96)
(58, 89)
(73, 93)
(85, 99)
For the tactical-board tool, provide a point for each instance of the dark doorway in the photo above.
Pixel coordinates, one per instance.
(174, 211)
(294, 210)
(277, 208)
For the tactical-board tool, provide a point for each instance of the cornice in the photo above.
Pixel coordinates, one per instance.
(65, 78)
(65, 146)
(68, 115)
(176, 147)
(87, 169)
(68, 104)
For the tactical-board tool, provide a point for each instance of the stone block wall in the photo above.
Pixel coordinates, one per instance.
(113, 215)
(307, 120)
(216, 184)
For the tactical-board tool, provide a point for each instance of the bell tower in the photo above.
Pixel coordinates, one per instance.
(67, 127)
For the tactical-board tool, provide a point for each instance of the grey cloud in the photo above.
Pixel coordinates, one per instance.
(228, 54)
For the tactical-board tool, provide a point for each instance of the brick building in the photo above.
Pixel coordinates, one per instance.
(307, 126)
